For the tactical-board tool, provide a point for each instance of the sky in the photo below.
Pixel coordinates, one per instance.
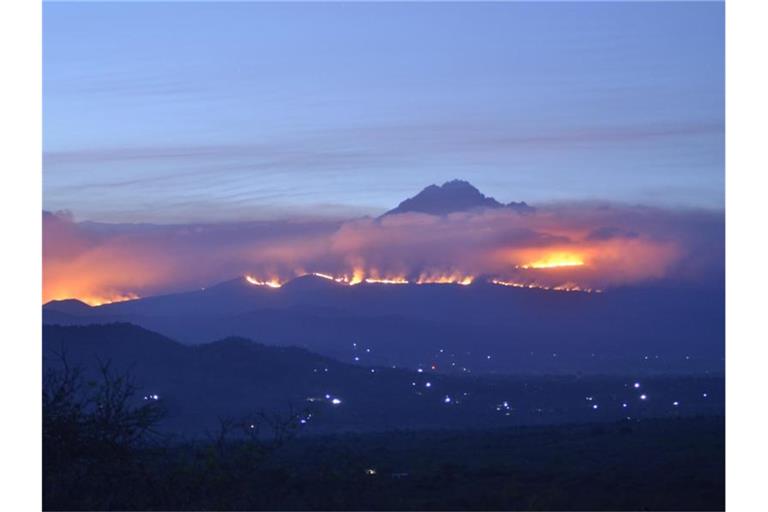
(183, 113)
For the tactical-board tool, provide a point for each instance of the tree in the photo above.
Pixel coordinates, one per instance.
(92, 430)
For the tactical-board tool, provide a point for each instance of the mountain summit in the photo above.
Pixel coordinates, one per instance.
(453, 196)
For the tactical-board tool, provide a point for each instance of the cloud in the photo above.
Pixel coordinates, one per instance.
(617, 245)
(610, 232)
(291, 170)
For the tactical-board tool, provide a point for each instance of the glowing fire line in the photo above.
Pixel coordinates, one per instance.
(396, 280)
(272, 283)
(568, 287)
(426, 279)
(100, 301)
(462, 280)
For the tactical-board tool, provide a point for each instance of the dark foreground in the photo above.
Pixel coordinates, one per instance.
(664, 464)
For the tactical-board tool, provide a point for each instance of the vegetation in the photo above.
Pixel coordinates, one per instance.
(101, 451)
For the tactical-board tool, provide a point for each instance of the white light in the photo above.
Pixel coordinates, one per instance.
(636, 384)
(428, 384)
(373, 371)
(327, 397)
(447, 399)
(643, 397)
(624, 404)
(367, 350)
(594, 406)
(335, 401)
(487, 357)
(357, 358)
(420, 370)
(704, 395)
(675, 403)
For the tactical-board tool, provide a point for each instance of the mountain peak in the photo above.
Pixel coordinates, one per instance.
(452, 196)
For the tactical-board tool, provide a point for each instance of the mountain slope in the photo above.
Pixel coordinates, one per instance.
(408, 325)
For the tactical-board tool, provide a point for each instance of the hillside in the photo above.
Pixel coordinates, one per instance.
(646, 330)
(234, 377)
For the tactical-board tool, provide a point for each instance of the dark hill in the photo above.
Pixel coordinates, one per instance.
(234, 377)
(681, 330)
(68, 306)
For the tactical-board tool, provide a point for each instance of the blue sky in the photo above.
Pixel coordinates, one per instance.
(210, 112)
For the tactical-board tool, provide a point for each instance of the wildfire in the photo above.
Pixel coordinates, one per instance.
(102, 300)
(355, 278)
(556, 260)
(463, 280)
(396, 280)
(272, 283)
(460, 279)
(359, 276)
(115, 298)
(567, 287)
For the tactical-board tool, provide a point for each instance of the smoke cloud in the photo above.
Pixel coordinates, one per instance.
(592, 246)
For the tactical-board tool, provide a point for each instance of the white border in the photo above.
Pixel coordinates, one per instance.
(746, 214)
(20, 128)
(21, 253)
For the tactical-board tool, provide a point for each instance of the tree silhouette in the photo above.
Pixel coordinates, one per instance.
(91, 431)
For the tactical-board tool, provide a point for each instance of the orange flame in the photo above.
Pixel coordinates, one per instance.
(454, 278)
(555, 260)
(396, 280)
(567, 287)
(272, 283)
(99, 300)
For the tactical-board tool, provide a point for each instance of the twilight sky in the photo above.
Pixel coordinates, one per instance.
(196, 112)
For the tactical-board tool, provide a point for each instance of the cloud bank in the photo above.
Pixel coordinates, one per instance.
(594, 246)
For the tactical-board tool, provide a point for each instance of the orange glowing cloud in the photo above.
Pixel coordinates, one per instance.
(559, 248)
(555, 259)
